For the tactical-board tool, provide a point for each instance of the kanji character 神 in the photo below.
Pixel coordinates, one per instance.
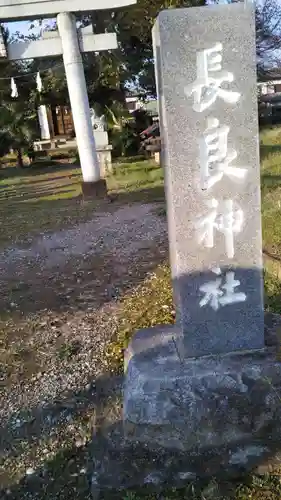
(207, 86)
(225, 219)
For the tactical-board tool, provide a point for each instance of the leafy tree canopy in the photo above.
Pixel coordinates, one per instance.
(111, 74)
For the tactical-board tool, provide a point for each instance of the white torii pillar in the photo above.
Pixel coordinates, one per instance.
(67, 43)
(78, 96)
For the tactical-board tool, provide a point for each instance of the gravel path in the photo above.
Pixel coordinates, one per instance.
(43, 275)
(121, 235)
(62, 349)
(121, 232)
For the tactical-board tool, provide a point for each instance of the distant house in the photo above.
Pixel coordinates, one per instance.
(269, 97)
(270, 87)
(55, 121)
(134, 103)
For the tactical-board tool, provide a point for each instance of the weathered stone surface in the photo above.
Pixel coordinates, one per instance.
(180, 36)
(105, 161)
(156, 341)
(120, 463)
(206, 402)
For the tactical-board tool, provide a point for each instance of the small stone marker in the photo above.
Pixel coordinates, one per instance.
(206, 77)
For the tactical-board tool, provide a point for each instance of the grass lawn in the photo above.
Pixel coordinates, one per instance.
(38, 198)
(271, 190)
(47, 199)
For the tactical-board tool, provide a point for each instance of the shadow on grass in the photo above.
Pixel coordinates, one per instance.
(270, 182)
(38, 168)
(129, 159)
(145, 195)
(64, 155)
(24, 197)
(267, 150)
(271, 255)
(31, 181)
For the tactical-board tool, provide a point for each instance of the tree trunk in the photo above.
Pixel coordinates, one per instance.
(20, 158)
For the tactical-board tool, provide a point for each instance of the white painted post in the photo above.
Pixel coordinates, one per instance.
(78, 97)
(43, 121)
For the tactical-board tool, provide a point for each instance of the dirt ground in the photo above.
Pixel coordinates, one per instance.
(60, 295)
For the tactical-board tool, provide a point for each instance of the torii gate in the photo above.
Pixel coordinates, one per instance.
(67, 42)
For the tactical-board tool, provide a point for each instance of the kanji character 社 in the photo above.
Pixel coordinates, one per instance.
(215, 297)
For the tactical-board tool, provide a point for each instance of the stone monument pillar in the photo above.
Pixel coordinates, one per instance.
(44, 123)
(204, 394)
(103, 148)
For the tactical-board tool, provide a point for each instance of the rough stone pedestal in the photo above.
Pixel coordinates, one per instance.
(105, 160)
(93, 190)
(202, 416)
(119, 463)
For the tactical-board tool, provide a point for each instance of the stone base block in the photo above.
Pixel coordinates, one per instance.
(208, 415)
(213, 416)
(92, 190)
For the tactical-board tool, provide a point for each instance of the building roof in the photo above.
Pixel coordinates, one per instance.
(272, 98)
(271, 75)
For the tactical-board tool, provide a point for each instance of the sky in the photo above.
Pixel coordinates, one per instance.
(19, 26)
(22, 27)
